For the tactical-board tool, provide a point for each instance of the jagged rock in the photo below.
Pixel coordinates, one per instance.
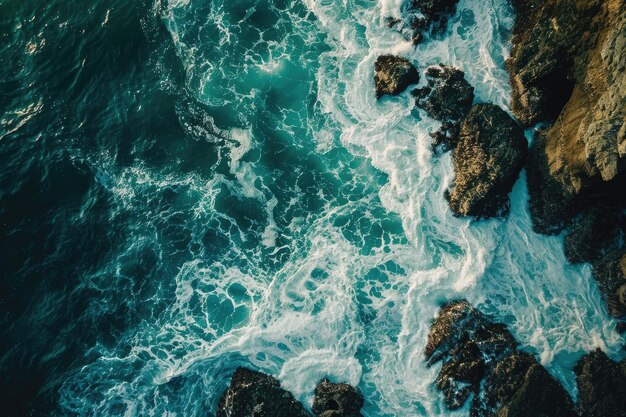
(393, 75)
(422, 17)
(254, 394)
(337, 400)
(448, 98)
(567, 67)
(488, 157)
(518, 386)
(481, 357)
(601, 386)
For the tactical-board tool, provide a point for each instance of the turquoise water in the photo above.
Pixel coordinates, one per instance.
(215, 185)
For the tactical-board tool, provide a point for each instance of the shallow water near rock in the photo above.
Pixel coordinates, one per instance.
(213, 184)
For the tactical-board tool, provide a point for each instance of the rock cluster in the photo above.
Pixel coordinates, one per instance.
(393, 74)
(447, 97)
(481, 360)
(255, 394)
(490, 153)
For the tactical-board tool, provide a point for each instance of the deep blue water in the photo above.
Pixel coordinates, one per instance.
(191, 186)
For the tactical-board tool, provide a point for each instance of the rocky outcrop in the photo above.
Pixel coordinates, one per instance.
(393, 75)
(423, 17)
(255, 394)
(337, 400)
(447, 97)
(598, 237)
(601, 386)
(481, 358)
(490, 152)
(568, 69)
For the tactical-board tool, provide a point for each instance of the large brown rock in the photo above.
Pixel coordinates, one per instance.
(601, 386)
(488, 157)
(568, 68)
(481, 358)
(393, 74)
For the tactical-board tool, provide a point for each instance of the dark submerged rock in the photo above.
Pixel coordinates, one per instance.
(393, 75)
(593, 234)
(448, 98)
(254, 394)
(337, 400)
(425, 17)
(601, 386)
(479, 353)
(488, 157)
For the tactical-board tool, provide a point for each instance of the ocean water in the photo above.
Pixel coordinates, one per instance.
(189, 186)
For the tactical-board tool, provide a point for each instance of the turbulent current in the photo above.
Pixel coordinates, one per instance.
(189, 186)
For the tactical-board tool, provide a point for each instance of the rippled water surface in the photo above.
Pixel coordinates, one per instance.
(188, 186)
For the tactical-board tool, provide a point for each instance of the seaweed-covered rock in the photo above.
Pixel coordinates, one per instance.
(601, 386)
(481, 357)
(448, 98)
(488, 157)
(337, 400)
(393, 74)
(254, 394)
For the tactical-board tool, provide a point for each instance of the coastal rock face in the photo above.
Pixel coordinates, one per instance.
(256, 394)
(488, 157)
(601, 386)
(568, 68)
(481, 358)
(423, 17)
(337, 400)
(393, 75)
(448, 98)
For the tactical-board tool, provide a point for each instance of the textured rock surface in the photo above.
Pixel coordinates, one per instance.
(393, 75)
(490, 152)
(601, 386)
(254, 394)
(448, 98)
(337, 400)
(568, 68)
(481, 357)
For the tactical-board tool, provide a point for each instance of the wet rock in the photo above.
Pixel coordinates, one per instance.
(425, 17)
(254, 394)
(337, 400)
(481, 358)
(567, 68)
(448, 98)
(393, 75)
(488, 157)
(601, 386)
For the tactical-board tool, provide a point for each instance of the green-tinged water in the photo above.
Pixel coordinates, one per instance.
(192, 186)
